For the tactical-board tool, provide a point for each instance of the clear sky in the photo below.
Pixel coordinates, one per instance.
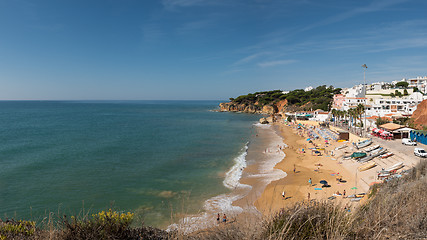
(203, 49)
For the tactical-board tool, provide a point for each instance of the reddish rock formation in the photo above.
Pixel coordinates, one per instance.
(420, 115)
(281, 105)
(247, 108)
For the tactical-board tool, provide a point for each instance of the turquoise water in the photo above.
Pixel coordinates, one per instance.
(155, 158)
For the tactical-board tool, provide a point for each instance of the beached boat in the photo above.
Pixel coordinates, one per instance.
(363, 144)
(383, 175)
(340, 147)
(377, 150)
(372, 155)
(355, 199)
(357, 155)
(395, 167)
(372, 148)
(386, 155)
(367, 166)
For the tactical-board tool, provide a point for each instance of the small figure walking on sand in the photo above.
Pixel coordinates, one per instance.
(294, 168)
(343, 194)
(217, 218)
(310, 182)
(224, 219)
(283, 195)
(308, 196)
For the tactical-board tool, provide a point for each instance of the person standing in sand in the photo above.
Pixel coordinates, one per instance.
(283, 195)
(308, 196)
(310, 182)
(217, 219)
(224, 219)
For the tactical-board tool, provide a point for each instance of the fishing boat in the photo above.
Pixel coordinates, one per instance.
(367, 166)
(386, 155)
(372, 155)
(340, 147)
(384, 174)
(363, 144)
(377, 150)
(372, 148)
(357, 155)
(395, 167)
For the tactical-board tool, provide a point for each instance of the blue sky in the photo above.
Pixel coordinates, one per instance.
(203, 49)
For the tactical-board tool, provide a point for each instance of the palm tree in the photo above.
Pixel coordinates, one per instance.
(360, 110)
(334, 114)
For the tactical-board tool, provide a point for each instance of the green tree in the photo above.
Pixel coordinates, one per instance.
(416, 89)
(405, 92)
(380, 121)
(402, 85)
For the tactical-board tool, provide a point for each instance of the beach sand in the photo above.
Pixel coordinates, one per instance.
(296, 185)
(268, 198)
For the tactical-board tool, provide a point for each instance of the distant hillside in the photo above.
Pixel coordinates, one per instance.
(265, 102)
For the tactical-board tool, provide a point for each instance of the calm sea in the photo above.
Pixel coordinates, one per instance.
(159, 159)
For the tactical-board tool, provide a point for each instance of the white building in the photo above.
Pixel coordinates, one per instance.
(309, 88)
(354, 92)
(403, 106)
(320, 116)
(418, 82)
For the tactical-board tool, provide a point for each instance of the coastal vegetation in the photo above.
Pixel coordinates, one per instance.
(396, 209)
(317, 98)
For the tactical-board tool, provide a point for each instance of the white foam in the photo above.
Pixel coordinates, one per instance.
(221, 203)
(260, 125)
(233, 176)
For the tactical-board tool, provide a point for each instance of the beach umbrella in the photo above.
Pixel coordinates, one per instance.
(354, 188)
(323, 182)
(308, 139)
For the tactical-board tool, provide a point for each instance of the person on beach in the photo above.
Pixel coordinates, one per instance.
(283, 195)
(224, 219)
(308, 196)
(310, 182)
(217, 218)
(343, 194)
(294, 168)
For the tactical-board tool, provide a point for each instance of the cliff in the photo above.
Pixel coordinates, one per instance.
(419, 116)
(247, 108)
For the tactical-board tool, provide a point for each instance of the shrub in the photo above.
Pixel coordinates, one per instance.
(103, 225)
(11, 229)
(318, 220)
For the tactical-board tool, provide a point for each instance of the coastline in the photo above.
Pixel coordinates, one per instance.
(267, 170)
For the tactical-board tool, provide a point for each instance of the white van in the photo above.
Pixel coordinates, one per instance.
(407, 141)
(420, 152)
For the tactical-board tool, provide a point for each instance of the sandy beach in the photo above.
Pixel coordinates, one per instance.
(301, 166)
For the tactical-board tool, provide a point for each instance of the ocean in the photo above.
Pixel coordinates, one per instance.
(162, 160)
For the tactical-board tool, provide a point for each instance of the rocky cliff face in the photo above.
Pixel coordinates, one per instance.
(246, 108)
(234, 107)
(420, 115)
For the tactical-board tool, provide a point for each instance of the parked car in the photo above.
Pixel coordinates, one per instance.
(407, 141)
(420, 152)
